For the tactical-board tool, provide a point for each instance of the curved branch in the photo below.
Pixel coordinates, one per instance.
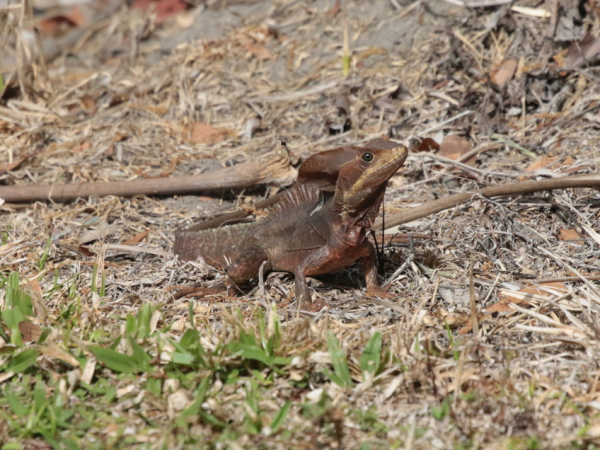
(243, 175)
(507, 190)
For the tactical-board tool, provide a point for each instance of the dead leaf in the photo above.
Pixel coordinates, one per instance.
(137, 238)
(570, 235)
(109, 152)
(317, 305)
(537, 289)
(579, 168)
(527, 294)
(252, 125)
(503, 74)
(54, 351)
(8, 248)
(442, 317)
(176, 402)
(197, 292)
(335, 9)
(540, 163)
(258, 51)
(100, 231)
(523, 295)
(34, 290)
(501, 306)
(454, 147)
(203, 133)
(111, 430)
(13, 165)
(466, 328)
(163, 8)
(30, 331)
(83, 251)
(580, 53)
(289, 62)
(427, 145)
(60, 24)
(371, 51)
(82, 147)
(89, 104)
(593, 234)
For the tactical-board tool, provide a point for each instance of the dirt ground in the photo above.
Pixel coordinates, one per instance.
(129, 93)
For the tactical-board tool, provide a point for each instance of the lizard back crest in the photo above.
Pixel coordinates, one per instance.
(299, 196)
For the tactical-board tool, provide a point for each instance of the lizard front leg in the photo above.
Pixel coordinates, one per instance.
(369, 259)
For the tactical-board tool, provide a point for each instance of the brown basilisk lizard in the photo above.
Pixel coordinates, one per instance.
(306, 233)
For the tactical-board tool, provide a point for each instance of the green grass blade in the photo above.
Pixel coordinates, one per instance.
(370, 360)
(16, 298)
(251, 352)
(144, 318)
(141, 358)
(194, 408)
(191, 305)
(103, 287)
(189, 339)
(455, 352)
(12, 318)
(339, 362)
(44, 257)
(114, 360)
(23, 361)
(18, 408)
(94, 275)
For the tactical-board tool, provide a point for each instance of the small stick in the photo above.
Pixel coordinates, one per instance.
(261, 285)
(565, 279)
(445, 122)
(295, 95)
(474, 321)
(398, 271)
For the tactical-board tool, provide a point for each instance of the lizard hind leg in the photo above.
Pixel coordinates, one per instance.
(246, 265)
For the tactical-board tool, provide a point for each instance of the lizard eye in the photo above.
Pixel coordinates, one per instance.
(367, 157)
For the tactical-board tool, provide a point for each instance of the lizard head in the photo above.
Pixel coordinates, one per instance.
(362, 181)
(322, 169)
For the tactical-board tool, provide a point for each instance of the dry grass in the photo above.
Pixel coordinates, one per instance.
(120, 108)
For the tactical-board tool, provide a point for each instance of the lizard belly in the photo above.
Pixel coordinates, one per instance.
(330, 259)
(333, 254)
(319, 260)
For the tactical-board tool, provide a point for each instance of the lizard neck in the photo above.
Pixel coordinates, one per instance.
(360, 214)
(347, 227)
